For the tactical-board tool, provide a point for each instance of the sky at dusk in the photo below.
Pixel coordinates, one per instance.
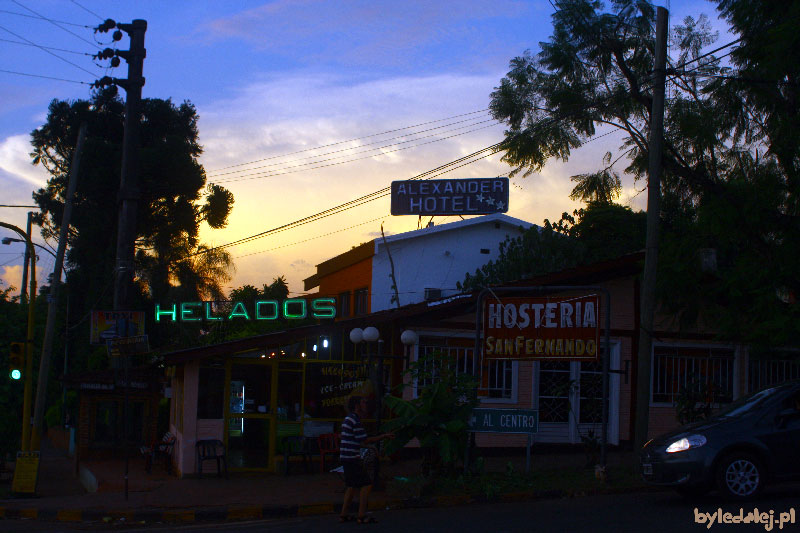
(273, 84)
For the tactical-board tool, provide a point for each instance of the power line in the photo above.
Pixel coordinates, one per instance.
(45, 77)
(343, 207)
(261, 175)
(352, 147)
(87, 10)
(26, 206)
(40, 18)
(44, 49)
(56, 24)
(349, 140)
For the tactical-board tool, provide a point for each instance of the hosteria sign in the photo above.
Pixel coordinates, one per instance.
(541, 328)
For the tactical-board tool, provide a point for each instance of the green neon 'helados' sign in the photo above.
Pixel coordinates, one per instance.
(292, 309)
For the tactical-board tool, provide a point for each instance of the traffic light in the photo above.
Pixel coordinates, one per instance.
(16, 360)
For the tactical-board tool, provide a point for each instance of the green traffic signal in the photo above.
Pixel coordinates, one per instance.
(16, 360)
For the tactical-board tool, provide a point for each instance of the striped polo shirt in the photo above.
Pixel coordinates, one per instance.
(353, 434)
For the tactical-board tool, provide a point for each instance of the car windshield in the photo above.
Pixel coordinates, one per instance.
(750, 403)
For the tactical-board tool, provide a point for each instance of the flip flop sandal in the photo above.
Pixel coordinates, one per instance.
(366, 520)
(346, 518)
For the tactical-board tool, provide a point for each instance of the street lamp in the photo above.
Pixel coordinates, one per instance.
(9, 240)
(409, 338)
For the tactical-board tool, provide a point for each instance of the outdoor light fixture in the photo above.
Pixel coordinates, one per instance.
(371, 334)
(324, 342)
(409, 338)
(356, 335)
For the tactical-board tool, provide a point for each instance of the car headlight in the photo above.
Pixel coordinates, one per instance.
(692, 441)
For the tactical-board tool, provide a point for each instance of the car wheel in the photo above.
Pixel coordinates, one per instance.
(740, 475)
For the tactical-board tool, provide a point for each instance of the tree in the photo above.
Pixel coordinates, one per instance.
(730, 160)
(174, 201)
(598, 232)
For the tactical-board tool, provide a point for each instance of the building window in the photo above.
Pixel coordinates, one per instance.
(361, 304)
(677, 367)
(344, 304)
(554, 391)
(498, 375)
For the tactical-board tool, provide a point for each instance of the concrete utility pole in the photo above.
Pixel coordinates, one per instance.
(24, 293)
(52, 299)
(648, 301)
(129, 183)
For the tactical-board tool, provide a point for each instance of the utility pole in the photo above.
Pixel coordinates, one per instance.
(129, 182)
(648, 301)
(52, 298)
(24, 293)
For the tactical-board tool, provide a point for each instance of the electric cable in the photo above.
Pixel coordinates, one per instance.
(87, 10)
(44, 49)
(348, 149)
(56, 24)
(40, 18)
(261, 175)
(45, 77)
(350, 140)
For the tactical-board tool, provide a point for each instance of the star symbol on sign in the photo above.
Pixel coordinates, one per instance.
(479, 197)
(490, 201)
(500, 206)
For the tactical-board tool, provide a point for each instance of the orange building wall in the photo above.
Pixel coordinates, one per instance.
(356, 276)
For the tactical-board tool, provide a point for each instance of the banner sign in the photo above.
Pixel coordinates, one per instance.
(124, 346)
(105, 326)
(475, 196)
(553, 328)
(504, 421)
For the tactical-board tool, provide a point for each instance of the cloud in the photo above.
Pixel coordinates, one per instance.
(15, 165)
(301, 265)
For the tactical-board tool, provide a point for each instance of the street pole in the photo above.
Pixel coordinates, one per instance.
(28, 252)
(648, 300)
(52, 306)
(129, 182)
(379, 394)
(27, 391)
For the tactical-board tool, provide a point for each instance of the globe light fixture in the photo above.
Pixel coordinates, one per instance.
(371, 334)
(356, 335)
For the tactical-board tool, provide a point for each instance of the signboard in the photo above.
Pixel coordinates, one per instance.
(26, 473)
(105, 325)
(475, 196)
(552, 328)
(504, 421)
(329, 386)
(124, 346)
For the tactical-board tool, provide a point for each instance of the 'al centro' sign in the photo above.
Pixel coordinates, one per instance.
(474, 196)
(552, 328)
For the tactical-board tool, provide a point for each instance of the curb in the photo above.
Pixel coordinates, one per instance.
(255, 512)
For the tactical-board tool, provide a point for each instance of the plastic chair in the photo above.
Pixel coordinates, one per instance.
(211, 449)
(163, 449)
(328, 444)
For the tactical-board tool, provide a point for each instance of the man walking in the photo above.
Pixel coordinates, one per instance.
(354, 437)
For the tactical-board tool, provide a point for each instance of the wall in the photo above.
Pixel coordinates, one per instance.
(350, 278)
(433, 259)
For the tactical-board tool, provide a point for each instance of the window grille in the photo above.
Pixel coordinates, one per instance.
(675, 367)
(767, 372)
(554, 391)
(500, 373)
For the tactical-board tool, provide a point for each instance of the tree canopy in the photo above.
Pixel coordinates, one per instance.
(731, 156)
(174, 200)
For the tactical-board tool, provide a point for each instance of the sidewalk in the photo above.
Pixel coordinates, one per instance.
(160, 497)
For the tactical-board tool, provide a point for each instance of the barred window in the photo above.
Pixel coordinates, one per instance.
(498, 381)
(678, 367)
(554, 391)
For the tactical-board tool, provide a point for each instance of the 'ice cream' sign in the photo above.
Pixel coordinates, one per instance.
(541, 328)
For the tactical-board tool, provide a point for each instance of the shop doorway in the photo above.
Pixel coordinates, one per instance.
(250, 415)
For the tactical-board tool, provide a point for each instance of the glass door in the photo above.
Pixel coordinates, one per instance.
(250, 415)
(289, 402)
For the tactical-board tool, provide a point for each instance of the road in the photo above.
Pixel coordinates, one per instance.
(651, 511)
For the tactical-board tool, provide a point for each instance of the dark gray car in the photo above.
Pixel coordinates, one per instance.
(755, 440)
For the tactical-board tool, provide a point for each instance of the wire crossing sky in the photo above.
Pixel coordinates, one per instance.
(298, 114)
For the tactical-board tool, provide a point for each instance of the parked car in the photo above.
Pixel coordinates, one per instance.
(754, 440)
